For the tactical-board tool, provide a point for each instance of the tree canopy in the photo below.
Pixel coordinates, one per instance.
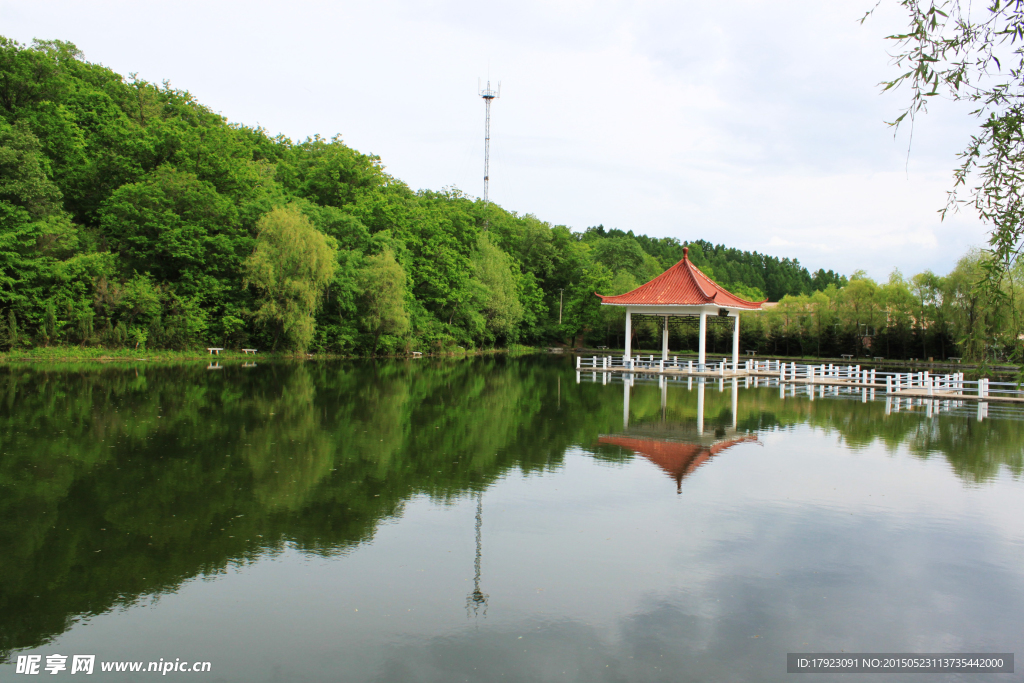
(132, 215)
(975, 54)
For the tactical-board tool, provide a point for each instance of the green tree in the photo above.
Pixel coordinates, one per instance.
(179, 229)
(975, 55)
(289, 269)
(498, 296)
(384, 289)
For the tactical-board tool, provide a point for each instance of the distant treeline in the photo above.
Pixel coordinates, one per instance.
(750, 274)
(133, 216)
(924, 316)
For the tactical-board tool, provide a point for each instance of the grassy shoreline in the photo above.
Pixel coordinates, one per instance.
(61, 354)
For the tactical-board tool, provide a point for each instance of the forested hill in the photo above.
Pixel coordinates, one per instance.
(132, 215)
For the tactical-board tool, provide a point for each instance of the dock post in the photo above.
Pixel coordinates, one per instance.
(578, 358)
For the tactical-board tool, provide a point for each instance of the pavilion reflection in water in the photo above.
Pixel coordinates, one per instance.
(677, 447)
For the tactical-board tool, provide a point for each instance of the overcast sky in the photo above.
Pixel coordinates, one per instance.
(755, 124)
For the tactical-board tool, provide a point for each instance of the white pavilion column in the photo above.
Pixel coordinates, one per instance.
(629, 336)
(702, 341)
(664, 341)
(735, 402)
(700, 405)
(625, 400)
(663, 382)
(736, 341)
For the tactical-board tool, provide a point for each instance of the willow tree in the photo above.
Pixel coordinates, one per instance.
(385, 287)
(498, 291)
(974, 53)
(289, 268)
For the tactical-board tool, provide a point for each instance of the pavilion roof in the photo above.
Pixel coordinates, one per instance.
(674, 458)
(681, 285)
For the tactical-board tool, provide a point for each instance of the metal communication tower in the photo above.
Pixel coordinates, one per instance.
(488, 95)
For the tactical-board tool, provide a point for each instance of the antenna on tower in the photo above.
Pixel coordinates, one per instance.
(488, 95)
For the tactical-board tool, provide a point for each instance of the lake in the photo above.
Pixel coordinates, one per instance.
(492, 519)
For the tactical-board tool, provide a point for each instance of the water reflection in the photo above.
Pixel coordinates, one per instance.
(117, 483)
(976, 450)
(477, 599)
(677, 446)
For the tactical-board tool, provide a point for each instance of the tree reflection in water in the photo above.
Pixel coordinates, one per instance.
(122, 482)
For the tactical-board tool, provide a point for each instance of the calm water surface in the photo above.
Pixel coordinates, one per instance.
(490, 520)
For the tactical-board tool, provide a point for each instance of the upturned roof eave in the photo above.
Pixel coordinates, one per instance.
(746, 306)
(692, 279)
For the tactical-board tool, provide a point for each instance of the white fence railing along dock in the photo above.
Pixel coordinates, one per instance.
(923, 383)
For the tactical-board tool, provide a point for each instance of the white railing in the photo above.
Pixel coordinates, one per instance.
(785, 372)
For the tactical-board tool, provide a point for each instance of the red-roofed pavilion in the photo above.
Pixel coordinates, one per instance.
(683, 290)
(677, 459)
